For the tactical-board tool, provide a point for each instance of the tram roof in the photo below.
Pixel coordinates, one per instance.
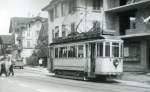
(82, 37)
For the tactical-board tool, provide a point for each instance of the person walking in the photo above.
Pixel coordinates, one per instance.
(3, 67)
(11, 69)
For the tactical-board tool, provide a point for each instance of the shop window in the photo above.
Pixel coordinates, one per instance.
(100, 49)
(80, 51)
(56, 52)
(107, 49)
(72, 52)
(115, 49)
(132, 51)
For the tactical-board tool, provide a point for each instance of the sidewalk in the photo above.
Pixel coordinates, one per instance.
(138, 79)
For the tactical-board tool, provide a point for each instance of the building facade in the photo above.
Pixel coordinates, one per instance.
(6, 44)
(26, 32)
(128, 19)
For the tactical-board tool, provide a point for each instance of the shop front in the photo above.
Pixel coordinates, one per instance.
(137, 53)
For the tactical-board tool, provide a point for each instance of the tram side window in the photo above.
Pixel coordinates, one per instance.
(72, 52)
(99, 49)
(107, 49)
(63, 52)
(115, 49)
(56, 52)
(80, 51)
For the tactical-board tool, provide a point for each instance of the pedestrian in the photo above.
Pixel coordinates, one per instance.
(3, 67)
(11, 70)
(40, 61)
(11, 67)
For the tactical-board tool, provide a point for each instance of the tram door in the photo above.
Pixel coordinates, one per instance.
(92, 56)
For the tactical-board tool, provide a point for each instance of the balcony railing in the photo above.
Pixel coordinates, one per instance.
(135, 31)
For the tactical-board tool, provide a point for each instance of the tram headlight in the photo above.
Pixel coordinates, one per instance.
(116, 62)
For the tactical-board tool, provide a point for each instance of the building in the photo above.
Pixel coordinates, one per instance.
(128, 19)
(6, 43)
(26, 32)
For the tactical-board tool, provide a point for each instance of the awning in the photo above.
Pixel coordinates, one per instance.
(131, 6)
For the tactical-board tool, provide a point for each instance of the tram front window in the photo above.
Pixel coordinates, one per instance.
(80, 51)
(115, 49)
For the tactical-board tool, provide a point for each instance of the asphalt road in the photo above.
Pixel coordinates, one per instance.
(27, 80)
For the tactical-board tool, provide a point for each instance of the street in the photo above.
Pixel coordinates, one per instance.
(27, 80)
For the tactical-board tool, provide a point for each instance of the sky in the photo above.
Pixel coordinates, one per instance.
(19, 8)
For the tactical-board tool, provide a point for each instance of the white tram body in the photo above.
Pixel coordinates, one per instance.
(88, 58)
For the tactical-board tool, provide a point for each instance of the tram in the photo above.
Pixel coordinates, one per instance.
(87, 57)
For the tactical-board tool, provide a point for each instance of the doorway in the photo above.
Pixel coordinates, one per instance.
(92, 56)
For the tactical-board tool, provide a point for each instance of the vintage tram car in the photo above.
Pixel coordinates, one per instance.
(84, 56)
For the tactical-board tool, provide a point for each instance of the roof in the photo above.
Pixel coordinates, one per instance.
(7, 39)
(20, 22)
(51, 4)
(85, 36)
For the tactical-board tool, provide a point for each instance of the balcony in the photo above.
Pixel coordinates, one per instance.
(130, 33)
(129, 6)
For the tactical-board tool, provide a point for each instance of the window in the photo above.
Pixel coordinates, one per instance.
(56, 52)
(115, 49)
(51, 15)
(72, 52)
(53, 36)
(63, 30)
(28, 31)
(56, 31)
(80, 51)
(96, 26)
(99, 49)
(63, 9)
(63, 52)
(72, 5)
(28, 44)
(72, 27)
(97, 4)
(107, 49)
(56, 11)
(132, 23)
